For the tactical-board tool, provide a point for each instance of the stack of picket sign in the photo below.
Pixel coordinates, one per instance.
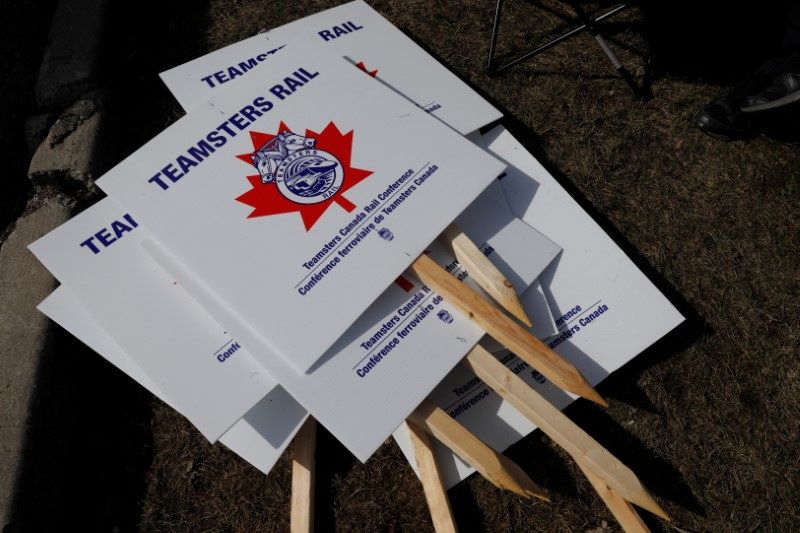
(261, 244)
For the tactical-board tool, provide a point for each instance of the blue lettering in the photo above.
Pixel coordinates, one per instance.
(207, 79)
(250, 113)
(247, 65)
(129, 218)
(264, 104)
(224, 126)
(185, 163)
(120, 228)
(172, 173)
(338, 31)
(158, 181)
(216, 139)
(238, 121)
(309, 76)
(88, 243)
(292, 84)
(105, 237)
(222, 356)
(569, 314)
(279, 91)
(233, 72)
(201, 151)
(220, 76)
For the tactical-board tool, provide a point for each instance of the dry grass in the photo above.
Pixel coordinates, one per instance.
(708, 417)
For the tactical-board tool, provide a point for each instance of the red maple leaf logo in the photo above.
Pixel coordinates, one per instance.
(266, 199)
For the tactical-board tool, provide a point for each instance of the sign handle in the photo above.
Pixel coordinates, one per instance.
(623, 511)
(303, 466)
(558, 370)
(586, 451)
(483, 271)
(495, 467)
(432, 483)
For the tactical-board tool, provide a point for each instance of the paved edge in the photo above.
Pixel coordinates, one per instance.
(65, 88)
(24, 282)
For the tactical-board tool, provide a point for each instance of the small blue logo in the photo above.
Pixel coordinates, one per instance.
(386, 234)
(445, 317)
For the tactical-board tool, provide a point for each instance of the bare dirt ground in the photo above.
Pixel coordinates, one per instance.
(708, 417)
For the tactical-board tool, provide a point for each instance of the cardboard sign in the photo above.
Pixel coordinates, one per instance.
(379, 371)
(524, 251)
(259, 437)
(606, 310)
(165, 334)
(352, 30)
(297, 232)
(176, 343)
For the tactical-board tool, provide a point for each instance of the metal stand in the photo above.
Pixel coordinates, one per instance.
(587, 23)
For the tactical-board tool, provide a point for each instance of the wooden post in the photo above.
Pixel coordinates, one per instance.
(582, 447)
(495, 467)
(432, 484)
(554, 367)
(303, 465)
(623, 511)
(483, 271)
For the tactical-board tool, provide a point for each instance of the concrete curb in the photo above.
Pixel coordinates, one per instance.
(67, 161)
(24, 282)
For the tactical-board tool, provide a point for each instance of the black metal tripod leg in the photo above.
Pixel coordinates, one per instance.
(591, 25)
(495, 28)
(623, 72)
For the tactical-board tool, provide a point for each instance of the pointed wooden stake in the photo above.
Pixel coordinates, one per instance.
(303, 464)
(432, 484)
(483, 271)
(583, 448)
(623, 511)
(554, 367)
(501, 471)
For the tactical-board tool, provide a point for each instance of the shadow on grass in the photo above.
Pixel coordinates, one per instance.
(713, 41)
(333, 461)
(87, 446)
(655, 472)
(466, 510)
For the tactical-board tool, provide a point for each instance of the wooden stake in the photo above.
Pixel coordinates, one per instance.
(483, 271)
(303, 464)
(623, 511)
(555, 368)
(495, 467)
(432, 484)
(583, 448)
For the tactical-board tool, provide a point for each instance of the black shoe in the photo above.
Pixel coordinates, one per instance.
(784, 90)
(724, 120)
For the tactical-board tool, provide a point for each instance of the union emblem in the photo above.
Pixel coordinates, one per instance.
(300, 173)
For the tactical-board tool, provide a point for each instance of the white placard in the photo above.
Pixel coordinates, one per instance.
(606, 310)
(259, 437)
(394, 354)
(350, 199)
(525, 252)
(353, 30)
(176, 343)
(163, 331)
